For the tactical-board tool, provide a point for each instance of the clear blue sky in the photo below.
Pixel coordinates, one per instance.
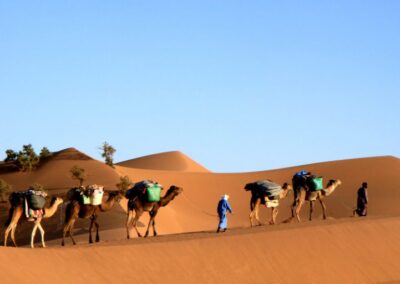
(235, 85)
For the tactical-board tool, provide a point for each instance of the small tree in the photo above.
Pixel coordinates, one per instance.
(108, 153)
(124, 184)
(11, 156)
(27, 158)
(4, 189)
(44, 153)
(78, 174)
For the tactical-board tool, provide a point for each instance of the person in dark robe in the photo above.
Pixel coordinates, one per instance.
(362, 200)
(222, 209)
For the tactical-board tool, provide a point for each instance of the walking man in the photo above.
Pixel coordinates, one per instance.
(362, 200)
(223, 207)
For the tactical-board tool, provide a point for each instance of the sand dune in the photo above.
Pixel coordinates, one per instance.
(189, 250)
(168, 161)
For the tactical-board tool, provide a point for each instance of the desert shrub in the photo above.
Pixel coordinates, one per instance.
(108, 153)
(78, 174)
(44, 153)
(124, 184)
(27, 158)
(11, 156)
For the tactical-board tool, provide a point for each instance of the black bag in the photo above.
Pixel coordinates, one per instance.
(36, 202)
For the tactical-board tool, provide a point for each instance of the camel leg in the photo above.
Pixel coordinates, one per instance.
(137, 216)
(34, 232)
(90, 229)
(251, 217)
(154, 228)
(12, 227)
(153, 222)
(274, 213)
(298, 208)
(68, 229)
(311, 209)
(148, 226)
(6, 233)
(129, 219)
(323, 209)
(42, 234)
(13, 234)
(71, 231)
(97, 230)
(65, 231)
(255, 212)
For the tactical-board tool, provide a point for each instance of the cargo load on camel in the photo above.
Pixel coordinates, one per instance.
(150, 189)
(93, 194)
(266, 187)
(36, 199)
(316, 183)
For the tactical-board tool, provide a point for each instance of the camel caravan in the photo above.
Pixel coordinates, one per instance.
(145, 196)
(305, 187)
(86, 203)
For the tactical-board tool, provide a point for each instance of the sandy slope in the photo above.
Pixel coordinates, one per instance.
(349, 251)
(345, 250)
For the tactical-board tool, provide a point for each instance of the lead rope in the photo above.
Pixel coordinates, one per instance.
(197, 207)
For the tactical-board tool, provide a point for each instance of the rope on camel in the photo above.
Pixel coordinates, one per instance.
(194, 205)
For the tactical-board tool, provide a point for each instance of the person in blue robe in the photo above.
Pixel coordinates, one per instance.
(222, 209)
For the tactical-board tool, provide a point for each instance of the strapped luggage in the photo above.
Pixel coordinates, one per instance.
(153, 193)
(316, 183)
(151, 189)
(36, 199)
(268, 187)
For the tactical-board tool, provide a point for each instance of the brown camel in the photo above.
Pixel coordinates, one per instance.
(139, 204)
(258, 199)
(16, 212)
(303, 193)
(75, 209)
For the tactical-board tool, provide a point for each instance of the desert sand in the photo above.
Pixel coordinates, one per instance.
(342, 249)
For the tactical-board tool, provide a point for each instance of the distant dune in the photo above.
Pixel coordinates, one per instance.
(341, 247)
(54, 173)
(168, 161)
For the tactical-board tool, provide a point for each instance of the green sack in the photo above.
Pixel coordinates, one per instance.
(153, 193)
(85, 199)
(317, 183)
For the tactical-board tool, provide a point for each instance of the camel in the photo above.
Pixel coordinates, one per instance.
(139, 204)
(76, 210)
(16, 212)
(303, 193)
(258, 199)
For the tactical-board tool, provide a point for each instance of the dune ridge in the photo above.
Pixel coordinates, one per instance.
(168, 161)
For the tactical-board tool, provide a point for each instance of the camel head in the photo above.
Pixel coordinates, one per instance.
(287, 186)
(175, 190)
(331, 186)
(56, 200)
(117, 194)
(249, 186)
(334, 182)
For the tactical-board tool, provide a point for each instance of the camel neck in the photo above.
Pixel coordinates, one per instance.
(167, 198)
(108, 204)
(50, 211)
